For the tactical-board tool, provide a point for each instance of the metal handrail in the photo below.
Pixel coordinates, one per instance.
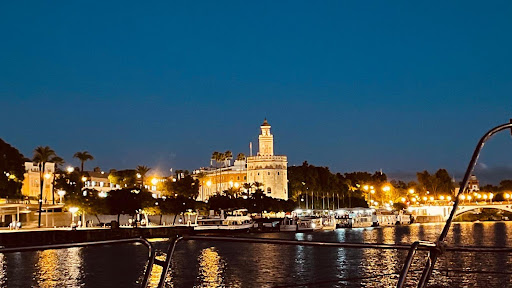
(151, 251)
(429, 265)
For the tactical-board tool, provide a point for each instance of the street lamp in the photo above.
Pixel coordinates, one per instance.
(73, 211)
(61, 194)
(70, 169)
(154, 181)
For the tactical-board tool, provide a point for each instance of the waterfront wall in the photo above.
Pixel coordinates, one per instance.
(64, 219)
(45, 237)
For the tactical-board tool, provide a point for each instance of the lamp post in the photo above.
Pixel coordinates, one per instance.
(73, 211)
(61, 194)
(208, 184)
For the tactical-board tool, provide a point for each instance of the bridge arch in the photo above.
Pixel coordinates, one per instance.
(466, 208)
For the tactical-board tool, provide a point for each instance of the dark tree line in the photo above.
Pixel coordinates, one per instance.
(12, 168)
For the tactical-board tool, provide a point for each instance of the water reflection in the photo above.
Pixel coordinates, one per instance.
(58, 267)
(211, 269)
(216, 264)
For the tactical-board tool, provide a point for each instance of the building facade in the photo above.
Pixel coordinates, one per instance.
(266, 169)
(32, 182)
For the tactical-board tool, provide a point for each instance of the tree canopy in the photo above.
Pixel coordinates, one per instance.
(12, 168)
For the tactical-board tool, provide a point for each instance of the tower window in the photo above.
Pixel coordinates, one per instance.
(268, 173)
(277, 173)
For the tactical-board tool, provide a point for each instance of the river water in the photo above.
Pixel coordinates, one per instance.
(208, 264)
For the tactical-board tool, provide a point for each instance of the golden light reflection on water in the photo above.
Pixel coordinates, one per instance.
(3, 271)
(211, 269)
(58, 267)
(156, 272)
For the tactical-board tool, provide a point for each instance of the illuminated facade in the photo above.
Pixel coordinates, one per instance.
(31, 183)
(265, 168)
(268, 169)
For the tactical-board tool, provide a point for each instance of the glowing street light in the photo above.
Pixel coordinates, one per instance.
(61, 194)
(84, 179)
(386, 188)
(70, 169)
(441, 197)
(73, 211)
(365, 187)
(47, 175)
(154, 181)
(411, 191)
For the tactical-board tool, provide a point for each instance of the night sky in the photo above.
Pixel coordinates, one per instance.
(363, 85)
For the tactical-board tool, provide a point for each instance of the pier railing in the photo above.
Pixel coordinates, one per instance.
(429, 247)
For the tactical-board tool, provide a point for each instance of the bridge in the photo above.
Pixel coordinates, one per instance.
(444, 210)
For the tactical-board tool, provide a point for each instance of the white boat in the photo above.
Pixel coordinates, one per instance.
(355, 217)
(237, 220)
(329, 223)
(300, 224)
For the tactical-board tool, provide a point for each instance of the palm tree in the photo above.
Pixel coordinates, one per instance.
(142, 171)
(83, 156)
(218, 157)
(227, 157)
(41, 156)
(258, 186)
(57, 161)
(247, 187)
(240, 156)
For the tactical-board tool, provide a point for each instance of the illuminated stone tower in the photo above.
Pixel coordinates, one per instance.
(268, 169)
(266, 140)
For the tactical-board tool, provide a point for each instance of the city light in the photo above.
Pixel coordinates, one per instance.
(411, 191)
(73, 209)
(441, 197)
(413, 199)
(47, 175)
(424, 198)
(507, 196)
(449, 198)
(237, 185)
(386, 188)
(431, 198)
(209, 183)
(154, 181)
(70, 169)
(365, 187)
(462, 197)
(102, 194)
(403, 199)
(138, 175)
(84, 179)
(469, 197)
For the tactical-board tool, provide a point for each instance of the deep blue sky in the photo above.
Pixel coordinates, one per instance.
(359, 85)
